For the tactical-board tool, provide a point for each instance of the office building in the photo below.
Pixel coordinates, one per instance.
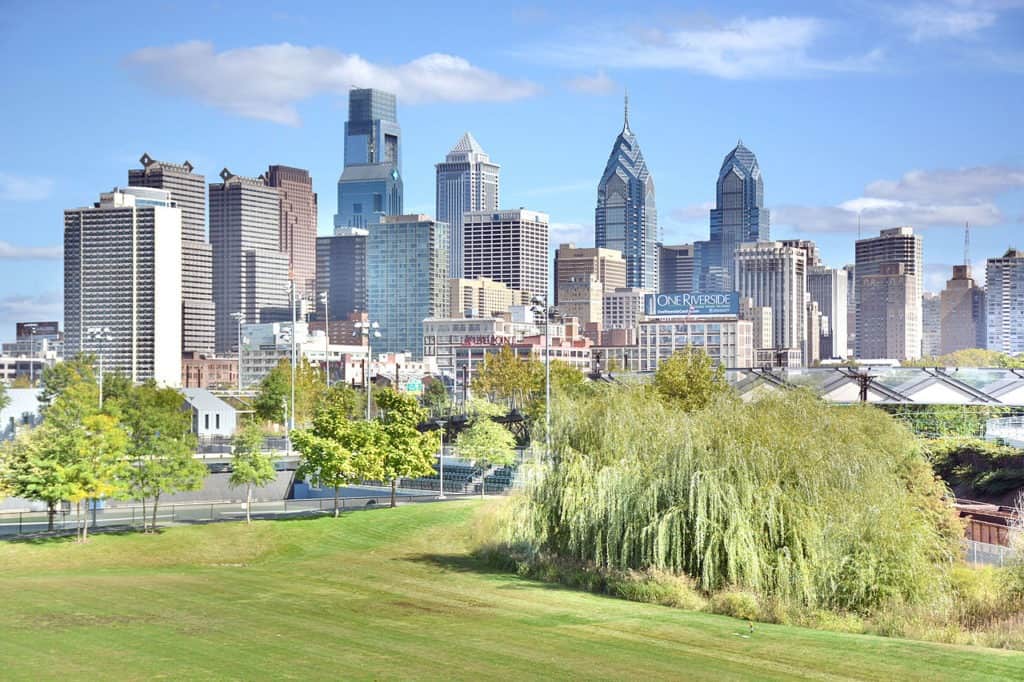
(675, 268)
(371, 183)
(626, 218)
(581, 297)
(266, 345)
(1004, 284)
(760, 317)
(508, 246)
(851, 308)
(200, 371)
(623, 308)
(895, 245)
(815, 326)
(739, 217)
(298, 225)
(775, 276)
(467, 180)
(709, 322)
(459, 342)
(482, 297)
(827, 287)
(888, 301)
(407, 279)
(122, 283)
(341, 272)
(963, 312)
(573, 263)
(250, 271)
(810, 249)
(931, 325)
(188, 192)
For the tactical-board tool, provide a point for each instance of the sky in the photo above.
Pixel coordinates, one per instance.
(886, 113)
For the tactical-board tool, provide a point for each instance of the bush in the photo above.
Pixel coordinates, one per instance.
(737, 603)
(656, 587)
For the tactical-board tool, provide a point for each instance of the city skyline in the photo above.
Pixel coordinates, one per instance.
(563, 97)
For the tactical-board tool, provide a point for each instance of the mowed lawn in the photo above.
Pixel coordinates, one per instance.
(387, 594)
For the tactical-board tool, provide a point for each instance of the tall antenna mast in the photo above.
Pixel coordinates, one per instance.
(858, 226)
(967, 243)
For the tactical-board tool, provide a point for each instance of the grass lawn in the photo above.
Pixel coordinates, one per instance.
(388, 594)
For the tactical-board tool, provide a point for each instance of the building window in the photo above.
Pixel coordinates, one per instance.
(206, 422)
(216, 421)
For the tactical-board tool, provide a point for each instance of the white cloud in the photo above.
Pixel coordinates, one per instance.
(577, 233)
(45, 306)
(958, 19)
(741, 48)
(938, 198)
(24, 187)
(267, 81)
(12, 252)
(693, 214)
(596, 84)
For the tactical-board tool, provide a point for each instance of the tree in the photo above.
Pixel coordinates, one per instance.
(249, 466)
(161, 446)
(405, 451)
(690, 380)
(32, 470)
(275, 392)
(505, 377)
(5, 399)
(20, 381)
(98, 466)
(338, 451)
(435, 396)
(486, 442)
(59, 377)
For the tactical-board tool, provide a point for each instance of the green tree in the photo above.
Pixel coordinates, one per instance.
(5, 399)
(507, 378)
(338, 451)
(249, 466)
(98, 465)
(59, 377)
(486, 442)
(275, 392)
(435, 397)
(690, 380)
(31, 469)
(405, 451)
(20, 381)
(161, 446)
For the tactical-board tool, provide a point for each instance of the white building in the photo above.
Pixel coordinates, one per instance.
(1004, 282)
(624, 307)
(211, 416)
(707, 322)
(122, 283)
(264, 346)
(456, 342)
(467, 180)
(895, 245)
(509, 247)
(774, 275)
(827, 287)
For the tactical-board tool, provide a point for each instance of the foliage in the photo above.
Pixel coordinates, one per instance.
(435, 397)
(843, 515)
(487, 443)
(978, 467)
(275, 392)
(690, 380)
(969, 357)
(5, 399)
(59, 377)
(20, 381)
(504, 377)
(406, 452)
(31, 469)
(741, 604)
(938, 421)
(249, 465)
(97, 466)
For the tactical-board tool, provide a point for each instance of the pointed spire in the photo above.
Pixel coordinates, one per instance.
(739, 143)
(625, 118)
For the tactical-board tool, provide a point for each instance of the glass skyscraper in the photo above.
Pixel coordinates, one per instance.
(739, 216)
(467, 180)
(626, 219)
(371, 184)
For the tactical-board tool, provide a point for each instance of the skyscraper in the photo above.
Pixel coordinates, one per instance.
(341, 272)
(675, 270)
(407, 276)
(963, 312)
(250, 271)
(887, 300)
(510, 247)
(626, 218)
(188, 192)
(931, 324)
(1004, 281)
(774, 275)
(370, 187)
(298, 225)
(827, 287)
(467, 180)
(122, 283)
(739, 216)
(606, 265)
(894, 245)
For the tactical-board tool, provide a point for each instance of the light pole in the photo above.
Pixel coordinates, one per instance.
(102, 335)
(327, 334)
(368, 330)
(440, 458)
(238, 317)
(540, 306)
(291, 423)
(32, 355)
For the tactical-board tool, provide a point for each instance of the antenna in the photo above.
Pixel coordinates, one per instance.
(625, 119)
(967, 243)
(858, 226)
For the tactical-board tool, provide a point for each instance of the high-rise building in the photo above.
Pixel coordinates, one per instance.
(963, 312)
(298, 225)
(675, 269)
(931, 324)
(606, 265)
(626, 219)
(341, 272)
(581, 297)
(122, 283)
(482, 297)
(623, 308)
(250, 271)
(1004, 281)
(887, 302)
(815, 326)
(827, 287)
(774, 275)
(760, 318)
(851, 308)
(188, 191)
(510, 247)
(739, 217)
(894, 245)
(407, 277)
(371, 184)
(809, 248)
(467, 180)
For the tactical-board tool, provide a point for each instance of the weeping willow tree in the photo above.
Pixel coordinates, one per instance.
(821, 506)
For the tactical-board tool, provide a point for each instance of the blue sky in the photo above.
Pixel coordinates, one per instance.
(901, 113)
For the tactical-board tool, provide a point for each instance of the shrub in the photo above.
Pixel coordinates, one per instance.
(736, 603)
(657, 587)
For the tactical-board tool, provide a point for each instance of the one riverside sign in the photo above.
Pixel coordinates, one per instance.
(692, 305)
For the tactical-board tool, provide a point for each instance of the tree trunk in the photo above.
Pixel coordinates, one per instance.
(394, 492)
(248, 503)
(51, 511)
(143, 498)
(335, 501)
(78, 520)
(152, 525)
(85, 523)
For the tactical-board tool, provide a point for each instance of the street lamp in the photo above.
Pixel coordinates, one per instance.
(440, 458)
(102, 335)
(541, 307)
(238, 317)
(291, 424)
(368, 330)
(327, 333)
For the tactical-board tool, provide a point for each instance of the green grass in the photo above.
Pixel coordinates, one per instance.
(388, 594)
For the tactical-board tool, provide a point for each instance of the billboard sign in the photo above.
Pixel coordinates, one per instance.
(695, 304)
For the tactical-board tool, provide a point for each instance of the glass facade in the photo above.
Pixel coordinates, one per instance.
(371, 184)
